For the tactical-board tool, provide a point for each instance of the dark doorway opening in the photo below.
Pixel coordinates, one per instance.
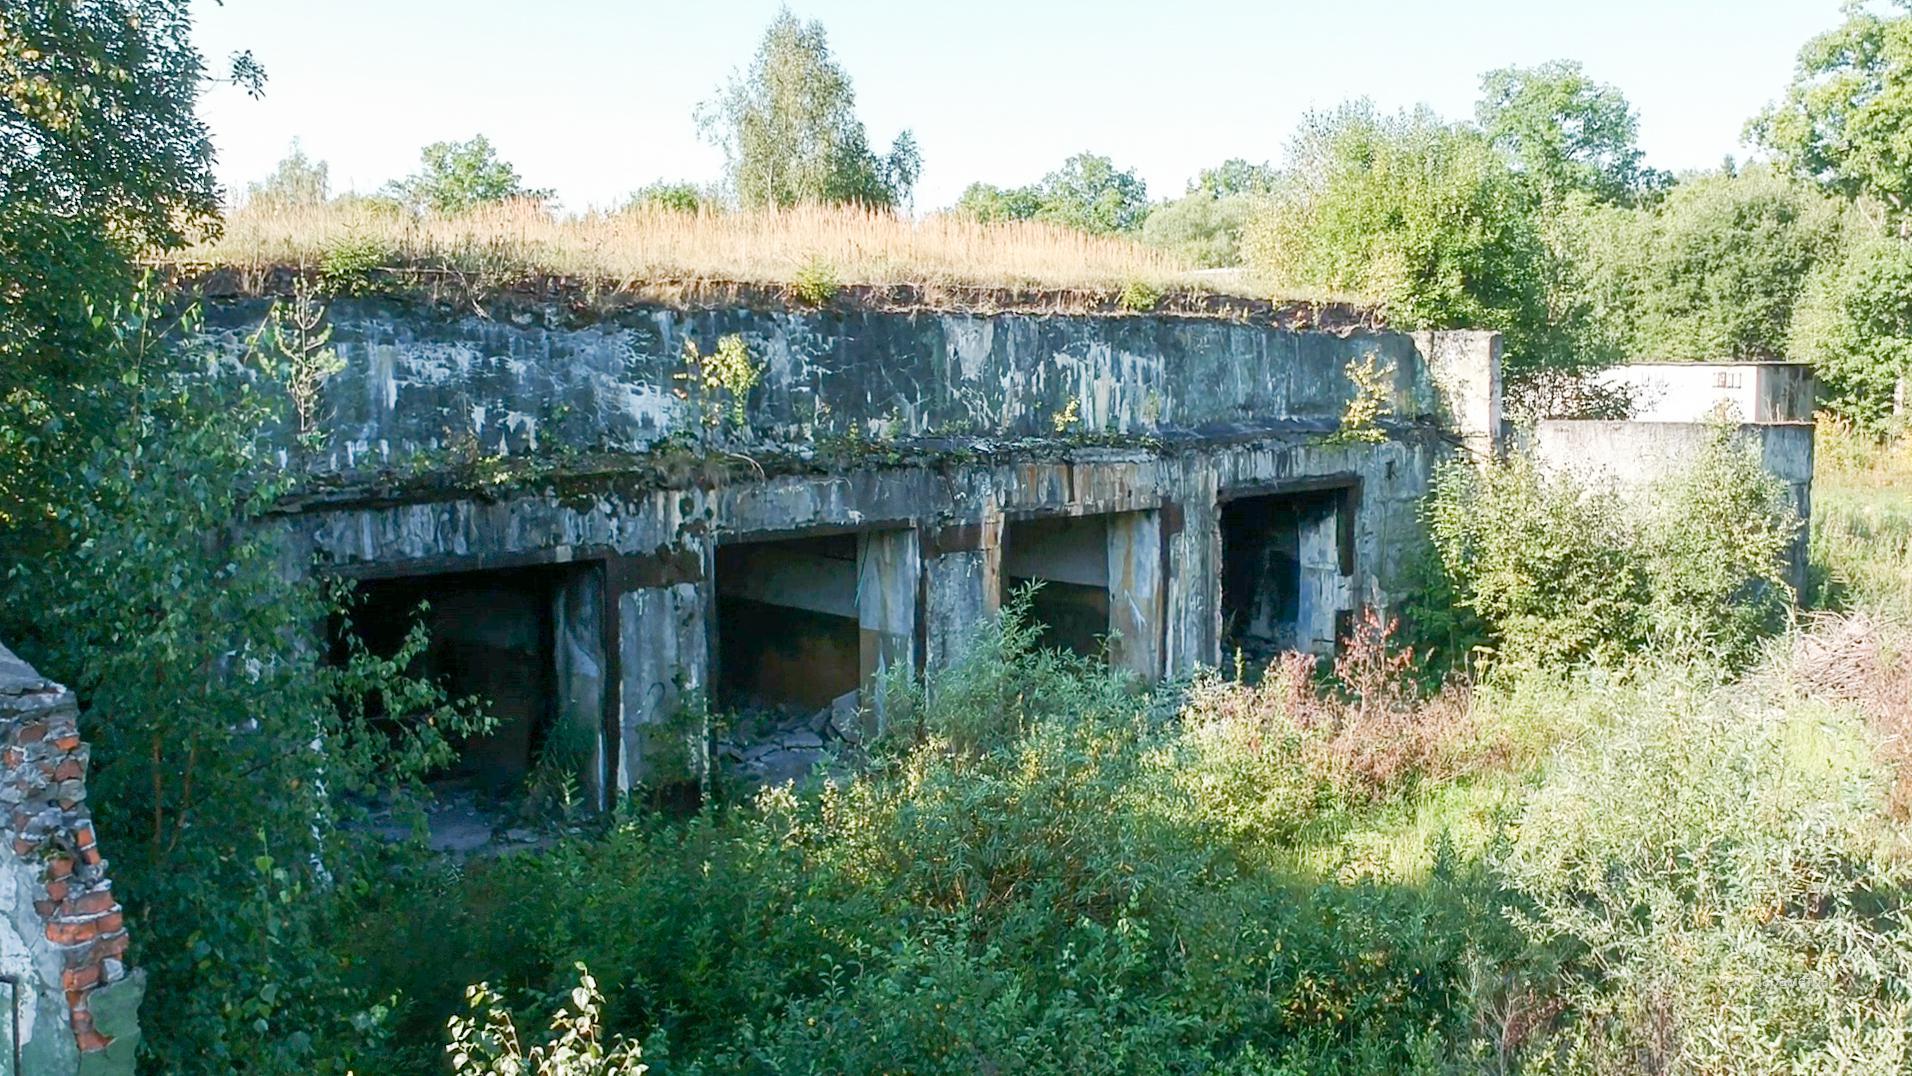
(491, 634)
(1069, 556)
(1287, 560)
(787, 626)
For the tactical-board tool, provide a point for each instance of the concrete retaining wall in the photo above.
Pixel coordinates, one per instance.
(967, 422)
(1638, 452)
(416, 382)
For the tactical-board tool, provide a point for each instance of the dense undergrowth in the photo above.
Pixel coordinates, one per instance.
(1642, 864)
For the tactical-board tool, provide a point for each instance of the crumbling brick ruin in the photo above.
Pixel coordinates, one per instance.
(63, 940)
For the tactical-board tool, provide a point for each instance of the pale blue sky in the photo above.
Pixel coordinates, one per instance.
(593, 97)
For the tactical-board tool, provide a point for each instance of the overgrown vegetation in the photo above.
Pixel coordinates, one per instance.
(230, 761)
(1045, 871)
(1660, 830)
(657, 244)
(1564, 569)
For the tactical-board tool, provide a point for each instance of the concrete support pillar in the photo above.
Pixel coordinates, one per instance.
(1324, 589)
(1136, 592)
(962, 586)
(577, 733)
(989, 541)
(1464, 366)
(1191, 531)
(956, 600)
(664, 663)
(889, 576)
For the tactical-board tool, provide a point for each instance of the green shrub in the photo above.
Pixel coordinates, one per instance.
(1739, 915)
(351, 266)
(1563, 571)
(1549, 566)
(1138, 296)
(1715, 541)
(487, 1043)
(815, 283)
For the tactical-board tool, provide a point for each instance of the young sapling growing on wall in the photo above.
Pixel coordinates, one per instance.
(294, 348)
(1361, 421)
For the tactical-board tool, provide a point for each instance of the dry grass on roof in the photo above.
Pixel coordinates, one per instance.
(852, 246)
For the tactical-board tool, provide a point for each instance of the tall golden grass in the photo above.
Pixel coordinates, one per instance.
(753, 247)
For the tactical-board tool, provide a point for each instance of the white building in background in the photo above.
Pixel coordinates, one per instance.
(1694, 391)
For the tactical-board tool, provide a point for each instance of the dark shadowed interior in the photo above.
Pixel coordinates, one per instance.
(787, 635)
(1262, 568)
(491, 635)
(1069, 556)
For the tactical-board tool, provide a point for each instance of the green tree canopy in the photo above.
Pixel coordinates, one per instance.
(1846, 122)
(101, 156)
(1087, 192)
(1234, 176)
(1565, 132)
(298, 180)
(989, 203)
(1420, 214)
(1854, 324)
(1714, 270)
(789, 130)
(456, 176)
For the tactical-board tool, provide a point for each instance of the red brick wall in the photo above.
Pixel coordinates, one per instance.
(43, 790)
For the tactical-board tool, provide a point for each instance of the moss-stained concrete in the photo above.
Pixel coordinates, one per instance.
(459, 443)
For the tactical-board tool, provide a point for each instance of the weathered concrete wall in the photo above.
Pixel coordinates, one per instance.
(415, 383)
(1464, 369)
(1695, 391)
(966, 423)
(654, 551)
(1639, 452)
(62, 939)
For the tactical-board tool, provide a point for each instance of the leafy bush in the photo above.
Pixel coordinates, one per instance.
(815, 283)
(1563, 571)
(1741, 914)
(486, 1042)
(1546, 564)
(350, 267)
(1138, 296)
(1714, 542)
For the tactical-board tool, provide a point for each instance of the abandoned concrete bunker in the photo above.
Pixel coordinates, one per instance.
(611, 550)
